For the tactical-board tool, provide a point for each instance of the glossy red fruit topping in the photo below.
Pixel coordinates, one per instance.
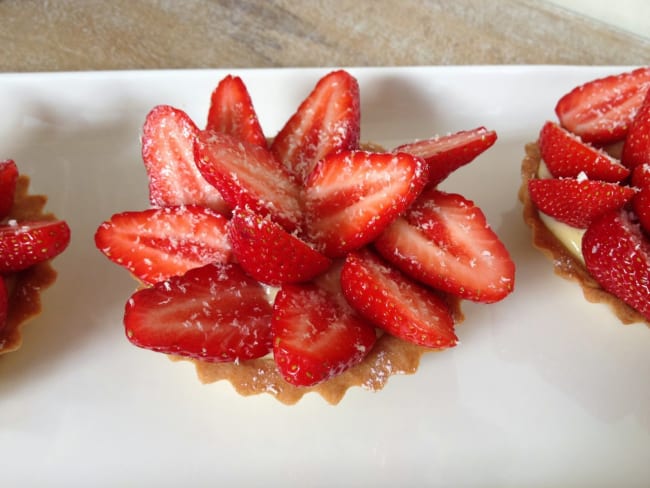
(602, 110)
(565, 155)
(352, 196)
(445, 154)
(214, 313)
(636, 148)
(316, 336)
(8, 180)
(248, 176)
(444, 241)
(327, 121)
(155, 244)
(168, 154)
(395, 303)
(232, 112)
(641, 206)
(269, 253)
(617, 255)
(25, 244)
(577, 201)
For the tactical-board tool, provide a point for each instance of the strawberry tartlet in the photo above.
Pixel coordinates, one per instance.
(586, 191)
(305, 262)
(29, 240)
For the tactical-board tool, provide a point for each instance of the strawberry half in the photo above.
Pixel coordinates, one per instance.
(565, 155)
(213, 313)
(25, 244)
(445, 154)
(232, 112)
(641, 206)
(636, 148)
(168, 154)
(617, 255)
(8, 180)
(396, 304)
(352, 196)
(316, 337)
(576, 201)
(444, 240)
(328, 120)
(248, 176)
(269, 253)
(600, 111)
(641, 175)
(158, 243)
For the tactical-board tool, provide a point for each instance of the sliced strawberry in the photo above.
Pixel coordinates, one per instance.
(641, 175)
(8, 179)
(352, 196)
(269, 253)
(617, 255)
(168, 154)
(445, 154)
(636, 148)
(601, 110)
(214, 313)
(231, 111)
(445, 241)
(158, 243)
(248, 176)
(577, 201)
(25, 244)
(4, 303)
(641, 206)
(396, 304)
(328, 120)
(316, 337)
(565, 155)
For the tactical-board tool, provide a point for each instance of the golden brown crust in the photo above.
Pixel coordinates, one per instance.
(25, 287)
(389, 356)
(565, 265)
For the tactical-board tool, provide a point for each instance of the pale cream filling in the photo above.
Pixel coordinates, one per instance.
(570, 237)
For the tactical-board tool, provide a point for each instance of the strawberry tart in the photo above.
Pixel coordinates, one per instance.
(305, 262)
(586, 191)
(29, 239)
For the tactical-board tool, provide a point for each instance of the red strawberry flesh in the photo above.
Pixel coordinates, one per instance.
(8, 179)
(396, 304)
(617, 255)
(214, 313)
(444, 240)
(315, 337)
(328, 120)
(155, 244)
(24, 244)
(636, 148)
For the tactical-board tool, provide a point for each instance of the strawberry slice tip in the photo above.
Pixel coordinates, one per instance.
(577, 201)
(213, 313)
(396, 304)
(328, 120)
(158, 243)
(231, 111)
(168, 154)
(269, 253)
(445, 154)
(316, 337)
(566, 155)
(351, 196)
(8, 180)
(444, 241)
(24, 244)
(617, 255)
(601, 110)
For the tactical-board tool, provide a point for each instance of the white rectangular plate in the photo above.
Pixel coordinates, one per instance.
(544, 389)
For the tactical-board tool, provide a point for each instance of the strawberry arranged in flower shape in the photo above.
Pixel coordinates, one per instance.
(283, 265)
(604, 196)
(24, 244)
